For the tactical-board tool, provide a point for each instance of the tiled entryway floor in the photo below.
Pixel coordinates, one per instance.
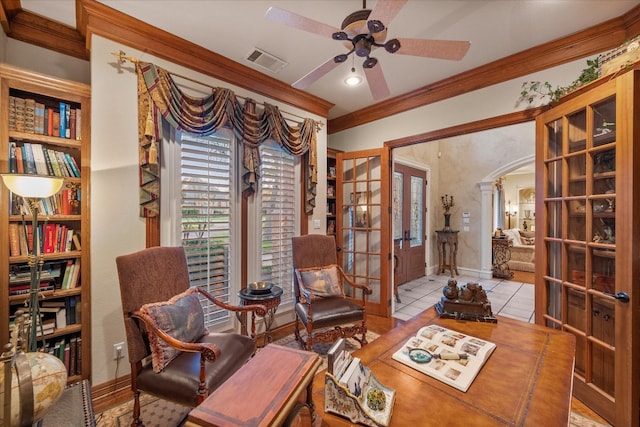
(507, 298)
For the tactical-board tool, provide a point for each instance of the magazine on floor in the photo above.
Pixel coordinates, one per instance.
(446, 355)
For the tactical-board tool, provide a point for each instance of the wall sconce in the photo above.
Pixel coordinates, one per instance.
(511, 211)
(33, 188)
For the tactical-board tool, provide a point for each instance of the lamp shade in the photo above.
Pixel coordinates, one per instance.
(32, 186)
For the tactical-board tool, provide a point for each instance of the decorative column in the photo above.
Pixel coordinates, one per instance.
(486, 232)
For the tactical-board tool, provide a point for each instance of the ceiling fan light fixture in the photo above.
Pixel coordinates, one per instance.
(353, 79)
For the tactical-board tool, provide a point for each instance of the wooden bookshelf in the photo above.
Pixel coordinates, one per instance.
(67, 154)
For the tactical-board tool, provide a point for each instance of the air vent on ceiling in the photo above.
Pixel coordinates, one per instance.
(266, 60)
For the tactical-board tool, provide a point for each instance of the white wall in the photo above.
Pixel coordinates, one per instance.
(481, 104)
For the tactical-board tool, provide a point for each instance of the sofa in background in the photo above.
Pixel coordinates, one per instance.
(522, 251)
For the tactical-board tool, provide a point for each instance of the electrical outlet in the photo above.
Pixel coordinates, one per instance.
(118, 351)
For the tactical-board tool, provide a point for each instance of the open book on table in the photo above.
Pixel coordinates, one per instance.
(446, 355)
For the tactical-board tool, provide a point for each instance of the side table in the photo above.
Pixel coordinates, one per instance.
(501, 257)
(447, 261)
(272, 389)
(271, 300)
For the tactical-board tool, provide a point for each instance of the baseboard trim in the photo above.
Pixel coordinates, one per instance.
(111, 393)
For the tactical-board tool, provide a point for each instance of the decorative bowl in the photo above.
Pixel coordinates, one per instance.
(260, 287)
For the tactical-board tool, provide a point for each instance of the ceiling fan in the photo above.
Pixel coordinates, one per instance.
(363, 31)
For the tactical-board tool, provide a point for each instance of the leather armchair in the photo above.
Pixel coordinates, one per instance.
(326, 319)
(154, 275)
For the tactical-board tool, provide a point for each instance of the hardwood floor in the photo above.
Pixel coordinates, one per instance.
(523, 276)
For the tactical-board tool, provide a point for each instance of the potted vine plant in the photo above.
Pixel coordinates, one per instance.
(533, 90)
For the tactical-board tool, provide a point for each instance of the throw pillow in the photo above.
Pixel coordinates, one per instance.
(514, 235)
(181, 317)
(321, 281)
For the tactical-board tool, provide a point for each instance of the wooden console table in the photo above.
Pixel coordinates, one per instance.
(448, 261)
(264, 392)
(527, 381)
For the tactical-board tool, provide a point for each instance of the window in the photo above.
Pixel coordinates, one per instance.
(205, 193)
(278, 205)
(200, 207)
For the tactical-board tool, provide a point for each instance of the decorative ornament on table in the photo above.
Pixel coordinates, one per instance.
(447, 204)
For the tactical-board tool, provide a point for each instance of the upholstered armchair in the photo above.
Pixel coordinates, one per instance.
(172, 355)
(321, 305)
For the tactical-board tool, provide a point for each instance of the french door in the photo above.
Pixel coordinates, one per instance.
(363, 219)
(587, 240)
(408, 207)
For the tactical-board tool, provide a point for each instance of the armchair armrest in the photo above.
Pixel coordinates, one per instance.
(208, 351)
(260, 309)
(366, 290)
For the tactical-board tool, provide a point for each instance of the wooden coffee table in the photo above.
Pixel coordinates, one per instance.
(527, 381)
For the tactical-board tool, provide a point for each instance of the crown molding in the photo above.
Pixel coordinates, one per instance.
(93, 17)
(582, 44)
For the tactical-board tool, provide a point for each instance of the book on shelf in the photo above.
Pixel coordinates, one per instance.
(14, 238)
(73, 165)
(38, 158)
(25, 289)
(30, 164)
(63, 120)
(446, 355)
(13, 165)
(39, 118)
(19, 160)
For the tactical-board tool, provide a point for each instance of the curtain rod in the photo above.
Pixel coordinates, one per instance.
(122, 58)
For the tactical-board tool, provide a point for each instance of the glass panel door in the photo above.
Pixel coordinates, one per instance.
(576, 279)
(363, 223)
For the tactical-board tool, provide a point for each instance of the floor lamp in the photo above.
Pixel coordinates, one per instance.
(33, 188)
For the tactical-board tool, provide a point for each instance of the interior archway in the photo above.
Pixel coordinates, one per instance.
(486, 186)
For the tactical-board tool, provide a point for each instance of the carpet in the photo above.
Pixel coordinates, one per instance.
(74, 409)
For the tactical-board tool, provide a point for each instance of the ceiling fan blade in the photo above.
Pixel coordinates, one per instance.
(377, 82)
(282, 16)
(315, 74)
(441, 49)
(386, 10)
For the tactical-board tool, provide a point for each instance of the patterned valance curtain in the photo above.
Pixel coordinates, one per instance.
(160, 98)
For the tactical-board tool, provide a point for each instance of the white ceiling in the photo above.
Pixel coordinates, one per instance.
(232, 28)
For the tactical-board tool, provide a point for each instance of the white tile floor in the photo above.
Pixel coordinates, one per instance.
(508, 298)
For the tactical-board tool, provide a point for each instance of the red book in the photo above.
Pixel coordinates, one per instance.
(66, 202)
(49, 239)
(49, 121)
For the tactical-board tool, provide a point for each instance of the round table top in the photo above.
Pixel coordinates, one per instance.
(246, 294)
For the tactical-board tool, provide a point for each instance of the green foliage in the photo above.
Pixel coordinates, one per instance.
(544, 91)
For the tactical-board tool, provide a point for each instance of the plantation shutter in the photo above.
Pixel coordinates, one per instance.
(278, 213)
(206, 225)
